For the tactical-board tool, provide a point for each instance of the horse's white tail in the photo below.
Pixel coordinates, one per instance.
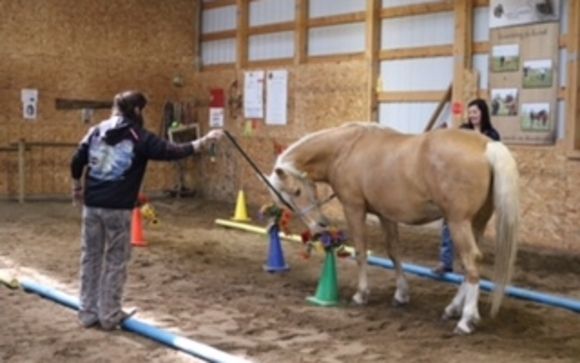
(506, 201)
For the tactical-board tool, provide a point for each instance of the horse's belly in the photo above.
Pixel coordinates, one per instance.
(414, 213)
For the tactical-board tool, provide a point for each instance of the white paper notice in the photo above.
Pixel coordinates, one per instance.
(254, 94)
(29, 98)
(277, 97)
(216, 117)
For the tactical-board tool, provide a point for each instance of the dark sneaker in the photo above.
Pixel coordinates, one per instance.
(441, 269)
(119, 319)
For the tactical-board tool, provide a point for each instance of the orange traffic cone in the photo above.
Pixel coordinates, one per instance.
(137, 238)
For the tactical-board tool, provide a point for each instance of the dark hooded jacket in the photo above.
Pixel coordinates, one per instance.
(115, 153)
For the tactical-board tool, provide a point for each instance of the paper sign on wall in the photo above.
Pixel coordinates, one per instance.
(216, 108)
(277, 97)
(29, 98)
(254, 94)
(216, 117)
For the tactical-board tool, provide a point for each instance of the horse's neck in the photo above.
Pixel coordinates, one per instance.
(317, 153)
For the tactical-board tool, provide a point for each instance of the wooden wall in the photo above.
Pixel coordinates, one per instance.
(143, 44)
(86, 50)
(320, 95)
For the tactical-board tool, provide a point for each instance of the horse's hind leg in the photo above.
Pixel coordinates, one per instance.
(355, 218)
(468, 295)
(392, 241)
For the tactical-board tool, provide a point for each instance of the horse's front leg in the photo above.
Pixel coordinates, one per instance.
(355, 218)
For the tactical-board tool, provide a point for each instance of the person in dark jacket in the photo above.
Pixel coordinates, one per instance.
(479, 120)
(107, 170)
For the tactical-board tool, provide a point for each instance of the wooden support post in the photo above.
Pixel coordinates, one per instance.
(439, 108)
(372, 48)
(463, 12)
(243, 17)
(573, 86)
(301, 32)
(21, 171)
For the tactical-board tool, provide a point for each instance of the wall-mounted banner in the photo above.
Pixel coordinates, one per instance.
(29, 98)
(517, 12)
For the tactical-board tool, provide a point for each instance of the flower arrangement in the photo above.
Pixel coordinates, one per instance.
(325, 242)
(277, 216)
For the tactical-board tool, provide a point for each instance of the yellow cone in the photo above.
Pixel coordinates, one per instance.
(241, 214)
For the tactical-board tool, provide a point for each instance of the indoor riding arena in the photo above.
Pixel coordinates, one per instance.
(285, 181)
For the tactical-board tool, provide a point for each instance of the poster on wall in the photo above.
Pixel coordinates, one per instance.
(254, 94)
(277, 97)
(523, 102)
(504, 13)
(505, 58)
(29, 98)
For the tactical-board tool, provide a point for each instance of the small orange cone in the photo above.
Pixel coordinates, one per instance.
(137, 238)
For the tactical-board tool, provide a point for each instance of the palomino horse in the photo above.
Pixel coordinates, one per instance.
(459, 175)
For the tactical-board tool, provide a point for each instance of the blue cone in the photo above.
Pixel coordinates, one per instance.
(276, 261)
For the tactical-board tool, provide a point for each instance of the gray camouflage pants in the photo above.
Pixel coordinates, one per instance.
(105, 253)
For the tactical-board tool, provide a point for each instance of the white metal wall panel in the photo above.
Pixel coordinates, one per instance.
(564, 11)
(337, 39)
(561, 121)
(271, 46)
(417, 31)
(320, 8)
(563, 67)
(481, 64)
(218, 19)
(271, 11)
(218, 51)
(481, 24)
(393, 3)
(421, 74)
(408, 117)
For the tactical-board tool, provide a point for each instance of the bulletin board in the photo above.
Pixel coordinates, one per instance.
(524, 83)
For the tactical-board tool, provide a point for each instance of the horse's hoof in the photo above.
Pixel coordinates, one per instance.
(360, 299)
(450, 315)
(400, 303)
(463, 328)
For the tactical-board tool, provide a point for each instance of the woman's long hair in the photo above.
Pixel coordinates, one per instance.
(485, 120)
(125, 103)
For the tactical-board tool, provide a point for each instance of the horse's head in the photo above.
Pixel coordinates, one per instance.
(299, 192)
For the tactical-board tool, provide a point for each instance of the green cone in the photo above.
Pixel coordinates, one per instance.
(327, 290)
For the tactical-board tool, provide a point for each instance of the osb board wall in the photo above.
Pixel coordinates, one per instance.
(550, 198)
(86, 50)
(320, 95)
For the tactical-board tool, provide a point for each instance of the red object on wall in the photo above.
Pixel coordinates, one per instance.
(457, 108)
(217, 98)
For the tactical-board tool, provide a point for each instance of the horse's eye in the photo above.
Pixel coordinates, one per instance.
(297, 192)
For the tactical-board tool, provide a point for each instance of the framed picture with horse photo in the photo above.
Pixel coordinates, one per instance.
(535, 116)
(504, 102)
(505, 58)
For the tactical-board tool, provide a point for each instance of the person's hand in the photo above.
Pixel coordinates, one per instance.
(77, 193)
(213, 136)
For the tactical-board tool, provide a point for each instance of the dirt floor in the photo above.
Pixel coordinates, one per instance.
(206, 283)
